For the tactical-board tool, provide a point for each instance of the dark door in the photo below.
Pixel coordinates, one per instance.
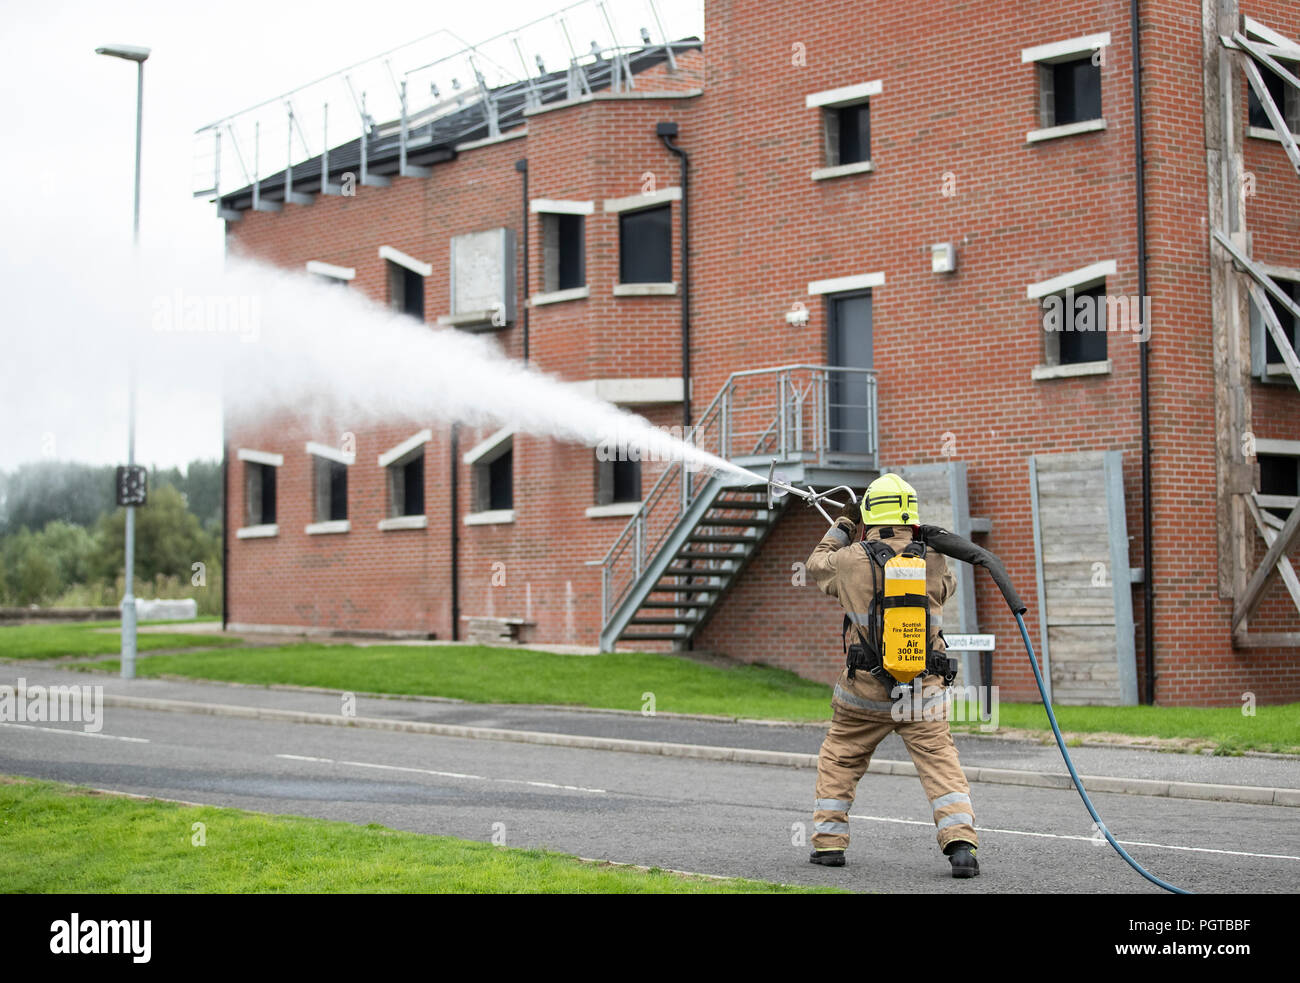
(849, 345)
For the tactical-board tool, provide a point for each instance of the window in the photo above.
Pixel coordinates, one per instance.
(496, 485)
(1075, 325)
(1069, 85)
(1266, 358)
(405, 291)
(1285, 98)
(1069, 92)
(645, 245)
(331, 485)
(1073, 316)
(1279, 475)
(846, 128)
(492, 463)
(563, 252)
(406, 487)
(259, 494)
(404, 475)
(848, 134)
(618, 482)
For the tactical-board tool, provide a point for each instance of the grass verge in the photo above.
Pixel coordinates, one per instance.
(1225, 729)
(69, 839)
(82, 638)
(620, 681)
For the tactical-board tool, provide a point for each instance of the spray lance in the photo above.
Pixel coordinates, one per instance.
(959, 548)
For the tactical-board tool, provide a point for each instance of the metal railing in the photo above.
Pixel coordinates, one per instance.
(815, 414)
(440, 84)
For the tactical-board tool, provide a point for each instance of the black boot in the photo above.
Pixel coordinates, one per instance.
(962, 857)
(827, 858)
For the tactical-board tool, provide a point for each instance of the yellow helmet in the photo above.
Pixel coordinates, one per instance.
(890, 501)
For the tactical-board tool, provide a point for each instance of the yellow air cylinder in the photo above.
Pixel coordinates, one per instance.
(905, 616)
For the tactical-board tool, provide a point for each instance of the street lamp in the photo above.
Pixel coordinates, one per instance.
(137, 54)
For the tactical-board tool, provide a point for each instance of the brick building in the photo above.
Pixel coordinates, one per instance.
(888, 214)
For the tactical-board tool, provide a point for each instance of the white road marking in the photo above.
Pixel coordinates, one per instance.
(1086, 839)
(444, 774)
(78, 733)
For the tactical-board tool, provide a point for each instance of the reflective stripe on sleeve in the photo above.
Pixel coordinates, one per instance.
(839, 535)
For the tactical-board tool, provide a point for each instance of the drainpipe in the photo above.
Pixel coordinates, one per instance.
(522, 167)
(455, 533)
(1148, 588)
(667, 132)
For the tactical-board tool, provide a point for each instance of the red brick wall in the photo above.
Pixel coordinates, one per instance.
(953, 353)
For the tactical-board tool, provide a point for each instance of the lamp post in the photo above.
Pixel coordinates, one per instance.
(137, 54)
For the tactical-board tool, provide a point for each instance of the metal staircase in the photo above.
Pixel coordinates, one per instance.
(695, 532)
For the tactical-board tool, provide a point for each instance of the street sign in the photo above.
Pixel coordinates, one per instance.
(132, 485)
(969, 643)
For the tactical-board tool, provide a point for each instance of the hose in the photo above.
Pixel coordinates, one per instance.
(959, 548)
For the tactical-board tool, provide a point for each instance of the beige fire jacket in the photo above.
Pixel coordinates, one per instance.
(846, 574)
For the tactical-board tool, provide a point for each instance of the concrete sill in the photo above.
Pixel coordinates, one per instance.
(496, 517)
(645, 289)
(841, 170)
(328, 528)
(1070, 371)
(560, 296)
(473, 321)
(613, 509)
(257, 532)
(404, 522)
(1068, 130)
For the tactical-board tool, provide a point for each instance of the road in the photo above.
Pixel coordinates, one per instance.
(706, 816)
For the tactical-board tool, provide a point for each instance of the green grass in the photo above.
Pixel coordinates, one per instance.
(498, 675)
(82, 638)
(65, 839)
(1273, 728)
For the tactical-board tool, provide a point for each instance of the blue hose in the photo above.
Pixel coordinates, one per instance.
(1060, 742)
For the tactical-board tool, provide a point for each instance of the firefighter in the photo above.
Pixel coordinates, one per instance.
(868, 703)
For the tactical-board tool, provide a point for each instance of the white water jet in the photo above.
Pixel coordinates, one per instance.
(276, 342)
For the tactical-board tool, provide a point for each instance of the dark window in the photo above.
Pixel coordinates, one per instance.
(1071, 91)
(405, 291)
(849, 345)
(331, 490)
(259, 494)
(1279, 475)
(853, 134)
(413, 487)
(645, 245)
(500, 482)
(563, 252)
(1074, 326)
(618, 481)
(1290, 324)
(1276, 88)
(406, 487)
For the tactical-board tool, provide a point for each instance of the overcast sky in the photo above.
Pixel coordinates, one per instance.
(70, 130)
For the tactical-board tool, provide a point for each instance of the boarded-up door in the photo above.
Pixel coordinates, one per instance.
(1084, 583)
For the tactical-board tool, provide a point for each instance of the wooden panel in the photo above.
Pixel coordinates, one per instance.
(1081, 544)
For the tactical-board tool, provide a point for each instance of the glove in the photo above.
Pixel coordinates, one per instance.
(852, 512)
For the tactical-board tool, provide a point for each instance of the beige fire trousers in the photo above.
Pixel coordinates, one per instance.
(846, 753)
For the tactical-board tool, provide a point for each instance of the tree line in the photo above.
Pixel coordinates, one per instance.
(62, 536)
